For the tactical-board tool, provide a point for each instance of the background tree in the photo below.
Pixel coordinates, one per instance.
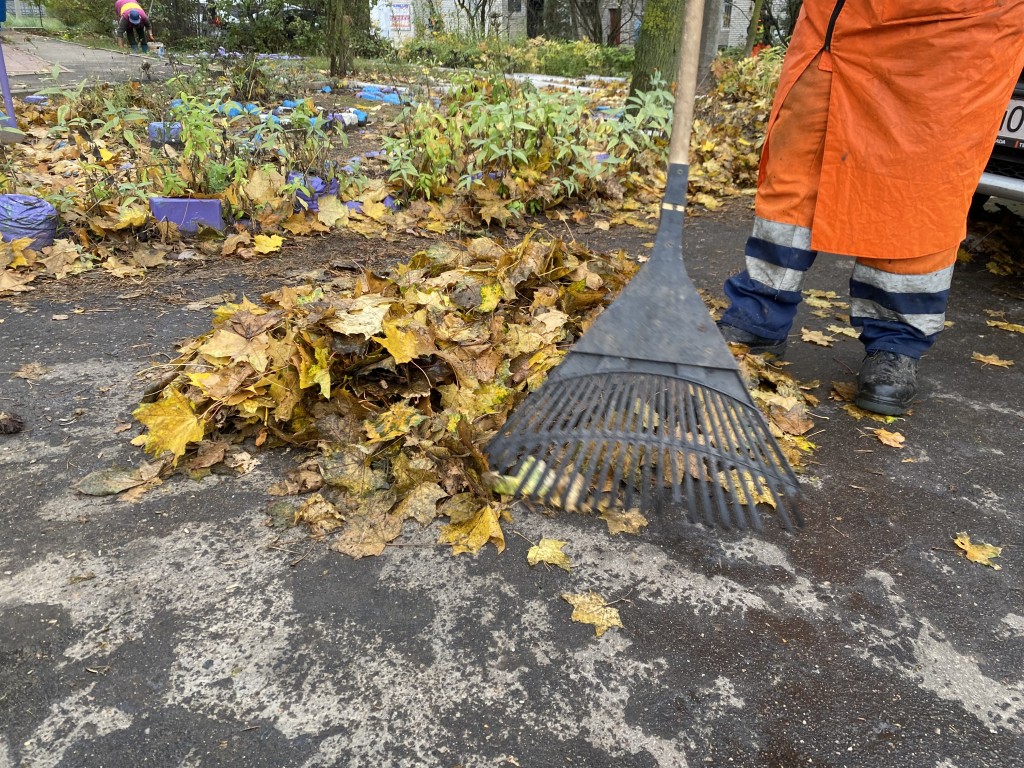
(587, 14)
(338, 48)
(657, 49)
(779, 19)
(754, 27)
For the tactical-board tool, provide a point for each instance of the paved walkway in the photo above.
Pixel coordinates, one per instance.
(30, 61)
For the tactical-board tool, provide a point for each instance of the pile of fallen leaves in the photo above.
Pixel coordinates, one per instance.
(729, 127)
(395, 383)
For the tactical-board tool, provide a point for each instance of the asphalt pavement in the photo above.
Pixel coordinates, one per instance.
(33, 61)
(181, 630)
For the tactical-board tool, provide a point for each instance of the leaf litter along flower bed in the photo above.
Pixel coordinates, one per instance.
(394, 384)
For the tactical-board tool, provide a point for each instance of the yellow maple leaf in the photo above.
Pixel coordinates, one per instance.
(549, 551)
(816, 337)
(401, 344)
(591, 608)
(893, 439)
(844, 330)
(21, 253)
(172, 424)
(470, 533)
(374, 210)
(490, 296)
(994, 360)
(980, 553)
(1004, 326)
(267, 243)
(332, 212)
(394, 422)
(316, 371)
(132, 216)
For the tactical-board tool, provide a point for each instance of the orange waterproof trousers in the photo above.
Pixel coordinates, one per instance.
(897, 304)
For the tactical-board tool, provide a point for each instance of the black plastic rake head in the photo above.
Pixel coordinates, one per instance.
(646, 441)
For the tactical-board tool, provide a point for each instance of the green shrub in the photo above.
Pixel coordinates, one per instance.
(93, 15)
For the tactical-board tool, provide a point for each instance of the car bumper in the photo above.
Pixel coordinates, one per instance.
(1001, 186)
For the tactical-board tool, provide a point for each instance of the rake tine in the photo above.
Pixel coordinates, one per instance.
(725, 416)
(718, 430)
(620, 465)
(705, 461)
(674, 424)
(613, 448)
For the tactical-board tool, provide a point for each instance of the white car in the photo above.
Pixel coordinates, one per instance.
(1004, 174)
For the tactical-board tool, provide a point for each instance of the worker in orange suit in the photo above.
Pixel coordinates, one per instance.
(884, 118)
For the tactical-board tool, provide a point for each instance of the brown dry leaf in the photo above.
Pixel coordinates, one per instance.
(320, 515)
(549, 551)
(993, 360)
(264, 186)
(15, 283)
(210, 452)
(420, 503)
(30, 371)
(623, 521)
(816, 337)
(591, 608)
(233, 242)
(367, 533)
(241, 461)
(302, 479)
(980, 553)
(893, 439)
(844, 391)
(470, 532)
(793, 421)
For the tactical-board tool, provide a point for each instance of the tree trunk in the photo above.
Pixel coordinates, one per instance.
(657, 50)
(754, 26)
(337, 38)
(588, 13)
(713, 10)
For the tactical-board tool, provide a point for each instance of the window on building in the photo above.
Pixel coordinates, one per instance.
(726, 14)
(515, 6)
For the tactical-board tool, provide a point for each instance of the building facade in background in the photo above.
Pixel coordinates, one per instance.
(400, 20)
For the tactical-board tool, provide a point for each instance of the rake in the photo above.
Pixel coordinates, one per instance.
(649, 410)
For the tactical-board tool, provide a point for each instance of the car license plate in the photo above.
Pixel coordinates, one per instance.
(1011, 131)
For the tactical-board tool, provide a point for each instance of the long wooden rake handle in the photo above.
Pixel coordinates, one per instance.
(686, 84)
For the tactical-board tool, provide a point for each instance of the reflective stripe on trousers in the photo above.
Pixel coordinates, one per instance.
(900, 312)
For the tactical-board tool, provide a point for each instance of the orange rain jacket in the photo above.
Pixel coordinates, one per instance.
(918, 91)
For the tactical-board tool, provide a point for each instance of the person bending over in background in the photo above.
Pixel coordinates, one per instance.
(133, 24)
(883, 120)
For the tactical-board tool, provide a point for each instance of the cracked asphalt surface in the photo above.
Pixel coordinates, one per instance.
(181, 630)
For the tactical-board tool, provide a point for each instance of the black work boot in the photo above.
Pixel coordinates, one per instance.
(887, 383)
(758, 345)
